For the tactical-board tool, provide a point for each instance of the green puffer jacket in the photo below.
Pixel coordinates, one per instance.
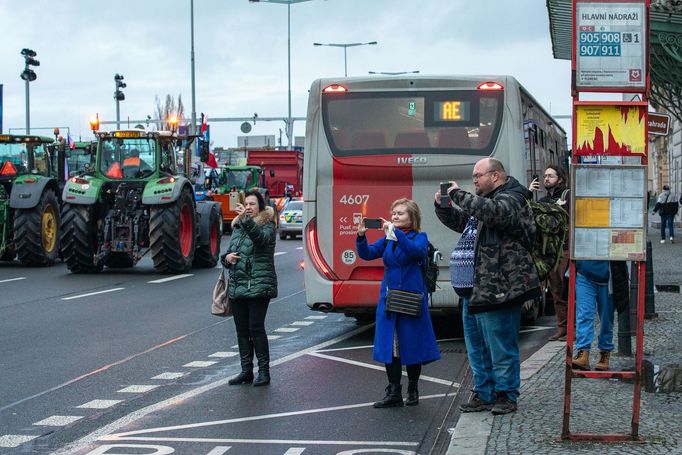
(253, 276)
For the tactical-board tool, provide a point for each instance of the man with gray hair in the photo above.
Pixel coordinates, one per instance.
(494, 261)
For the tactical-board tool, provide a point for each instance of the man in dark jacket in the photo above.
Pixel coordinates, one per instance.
(554, 181)
(504, 276)
(667, 208)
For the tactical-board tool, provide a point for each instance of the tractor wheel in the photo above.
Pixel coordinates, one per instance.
(119, 261)
(207, 255)
(36, 231)
(79, 239)
(171, 233)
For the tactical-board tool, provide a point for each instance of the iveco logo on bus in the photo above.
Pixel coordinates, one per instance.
(412, 160)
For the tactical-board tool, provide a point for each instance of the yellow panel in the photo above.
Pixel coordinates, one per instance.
(592, 212)
(124, 134)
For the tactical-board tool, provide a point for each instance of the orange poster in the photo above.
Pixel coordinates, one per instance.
(610, 129)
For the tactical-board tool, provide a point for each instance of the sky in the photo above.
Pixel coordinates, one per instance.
(241, 55)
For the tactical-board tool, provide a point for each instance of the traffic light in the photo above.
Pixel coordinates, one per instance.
(118, 94)
(28, 74)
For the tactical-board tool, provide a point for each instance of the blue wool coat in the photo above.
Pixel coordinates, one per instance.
(416, 340)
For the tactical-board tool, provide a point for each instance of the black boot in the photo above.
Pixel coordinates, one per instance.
(246, 360)
(393, 398)
(412, 394)
(260, 344)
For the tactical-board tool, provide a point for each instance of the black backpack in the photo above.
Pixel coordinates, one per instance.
(430, 268)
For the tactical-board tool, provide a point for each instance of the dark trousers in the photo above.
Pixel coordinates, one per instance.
(394, 371)
(667, 221)
(555, 282)
(249, 317)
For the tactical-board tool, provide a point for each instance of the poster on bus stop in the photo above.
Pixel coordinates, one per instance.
(610, 129)
(610, 45)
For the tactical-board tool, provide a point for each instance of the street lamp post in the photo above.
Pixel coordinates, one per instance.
(192, 129)
(119, 96)
(393, 73)
(345, 47)
(289, 125)
(28, 75)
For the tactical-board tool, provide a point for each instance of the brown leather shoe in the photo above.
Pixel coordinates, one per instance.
(582, 360)
(603, 363)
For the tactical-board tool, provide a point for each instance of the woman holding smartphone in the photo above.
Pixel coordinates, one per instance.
(253, 282)
(398, 338)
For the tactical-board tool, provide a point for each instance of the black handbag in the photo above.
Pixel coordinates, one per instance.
(404, 302)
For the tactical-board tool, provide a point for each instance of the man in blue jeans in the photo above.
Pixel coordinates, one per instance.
(591, 297)
(666, 206)
(494, 272)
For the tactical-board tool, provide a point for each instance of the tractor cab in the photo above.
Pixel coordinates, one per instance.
(24, 155)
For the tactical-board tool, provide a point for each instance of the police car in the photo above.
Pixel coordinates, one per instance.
(291, 220)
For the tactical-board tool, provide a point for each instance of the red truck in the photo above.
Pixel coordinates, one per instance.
(288, 172)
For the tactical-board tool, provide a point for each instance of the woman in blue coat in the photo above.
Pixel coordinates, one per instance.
(401, 339)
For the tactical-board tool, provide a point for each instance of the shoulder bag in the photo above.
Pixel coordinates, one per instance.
(404, 302)
(220, 303)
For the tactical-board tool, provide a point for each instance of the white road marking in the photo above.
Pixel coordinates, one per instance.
(99, 404)
(219, 450)
(287, 329)
(13, 279)
(140, 413)
(200, 364)
(303, 323)
(279, 441)
(58, 421)
(138, 388)
(299, 247)
(169, 375)
(279, 253)
(348, 348)
(92, 293)
(171, 278)
(222, 354)
(377, 367)
(317, 317)
(15, 440)
(295, 451)
(274, 337)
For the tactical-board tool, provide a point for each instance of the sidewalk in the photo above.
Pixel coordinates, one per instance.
(597, 405)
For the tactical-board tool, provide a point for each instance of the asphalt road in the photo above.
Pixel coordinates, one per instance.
(101, 363)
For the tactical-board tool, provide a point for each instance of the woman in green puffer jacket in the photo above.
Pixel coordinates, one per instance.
(250, 259)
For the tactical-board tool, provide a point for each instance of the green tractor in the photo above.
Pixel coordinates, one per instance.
(133, 201)
(29, 201)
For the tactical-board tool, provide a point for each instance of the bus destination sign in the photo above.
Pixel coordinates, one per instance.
(610, 48)
(452, 111)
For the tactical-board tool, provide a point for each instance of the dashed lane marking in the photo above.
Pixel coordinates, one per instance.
(13, 279)
(295, 451)
(99, 404)
(222, 355)
(138, 388)
(274, 337)
(169, 375)
(380, 368)
(200, 364)
(171, 278)
(92, 293)
(287, 329)
(58, 421)
(303, 323)
(317, 317)
(299, 247)
(15, 440)
(219, 450)
(279, 253)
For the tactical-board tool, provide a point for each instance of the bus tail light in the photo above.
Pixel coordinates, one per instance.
(314, 250)
(490, 86)
(334, 88)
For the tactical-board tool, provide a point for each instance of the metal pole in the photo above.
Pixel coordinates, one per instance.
(345, 61)
(194, 110)
(118, 107)
(28, 115)
(289, 126)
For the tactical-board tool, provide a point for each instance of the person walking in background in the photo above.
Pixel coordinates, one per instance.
(592, 296)
(253, 282)
(555, 182)
(504, 277)
(401, 339)
(667, 209)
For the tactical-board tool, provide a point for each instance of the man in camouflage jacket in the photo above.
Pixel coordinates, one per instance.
(504, 274)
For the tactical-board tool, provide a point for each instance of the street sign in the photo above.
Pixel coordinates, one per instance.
(659, 124)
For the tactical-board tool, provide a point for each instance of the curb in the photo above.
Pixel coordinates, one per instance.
(470, 435)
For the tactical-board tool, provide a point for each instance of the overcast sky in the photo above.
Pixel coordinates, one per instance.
(241, 54)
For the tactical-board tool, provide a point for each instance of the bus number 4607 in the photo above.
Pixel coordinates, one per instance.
(354, 199)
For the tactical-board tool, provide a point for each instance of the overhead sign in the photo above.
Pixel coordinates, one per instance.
(610, 129)
(610, 47)
(659, 124)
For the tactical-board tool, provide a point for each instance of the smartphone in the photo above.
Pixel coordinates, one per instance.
(444, 198)
(373, 223)
(536, 177)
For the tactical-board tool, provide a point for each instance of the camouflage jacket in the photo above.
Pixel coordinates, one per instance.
(504, 272)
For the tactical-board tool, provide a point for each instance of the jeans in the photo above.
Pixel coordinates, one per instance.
(492, 341)
(592, 297)
(667, 220)
(249, 317)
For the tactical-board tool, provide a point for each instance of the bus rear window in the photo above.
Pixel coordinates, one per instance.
(457, 122)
